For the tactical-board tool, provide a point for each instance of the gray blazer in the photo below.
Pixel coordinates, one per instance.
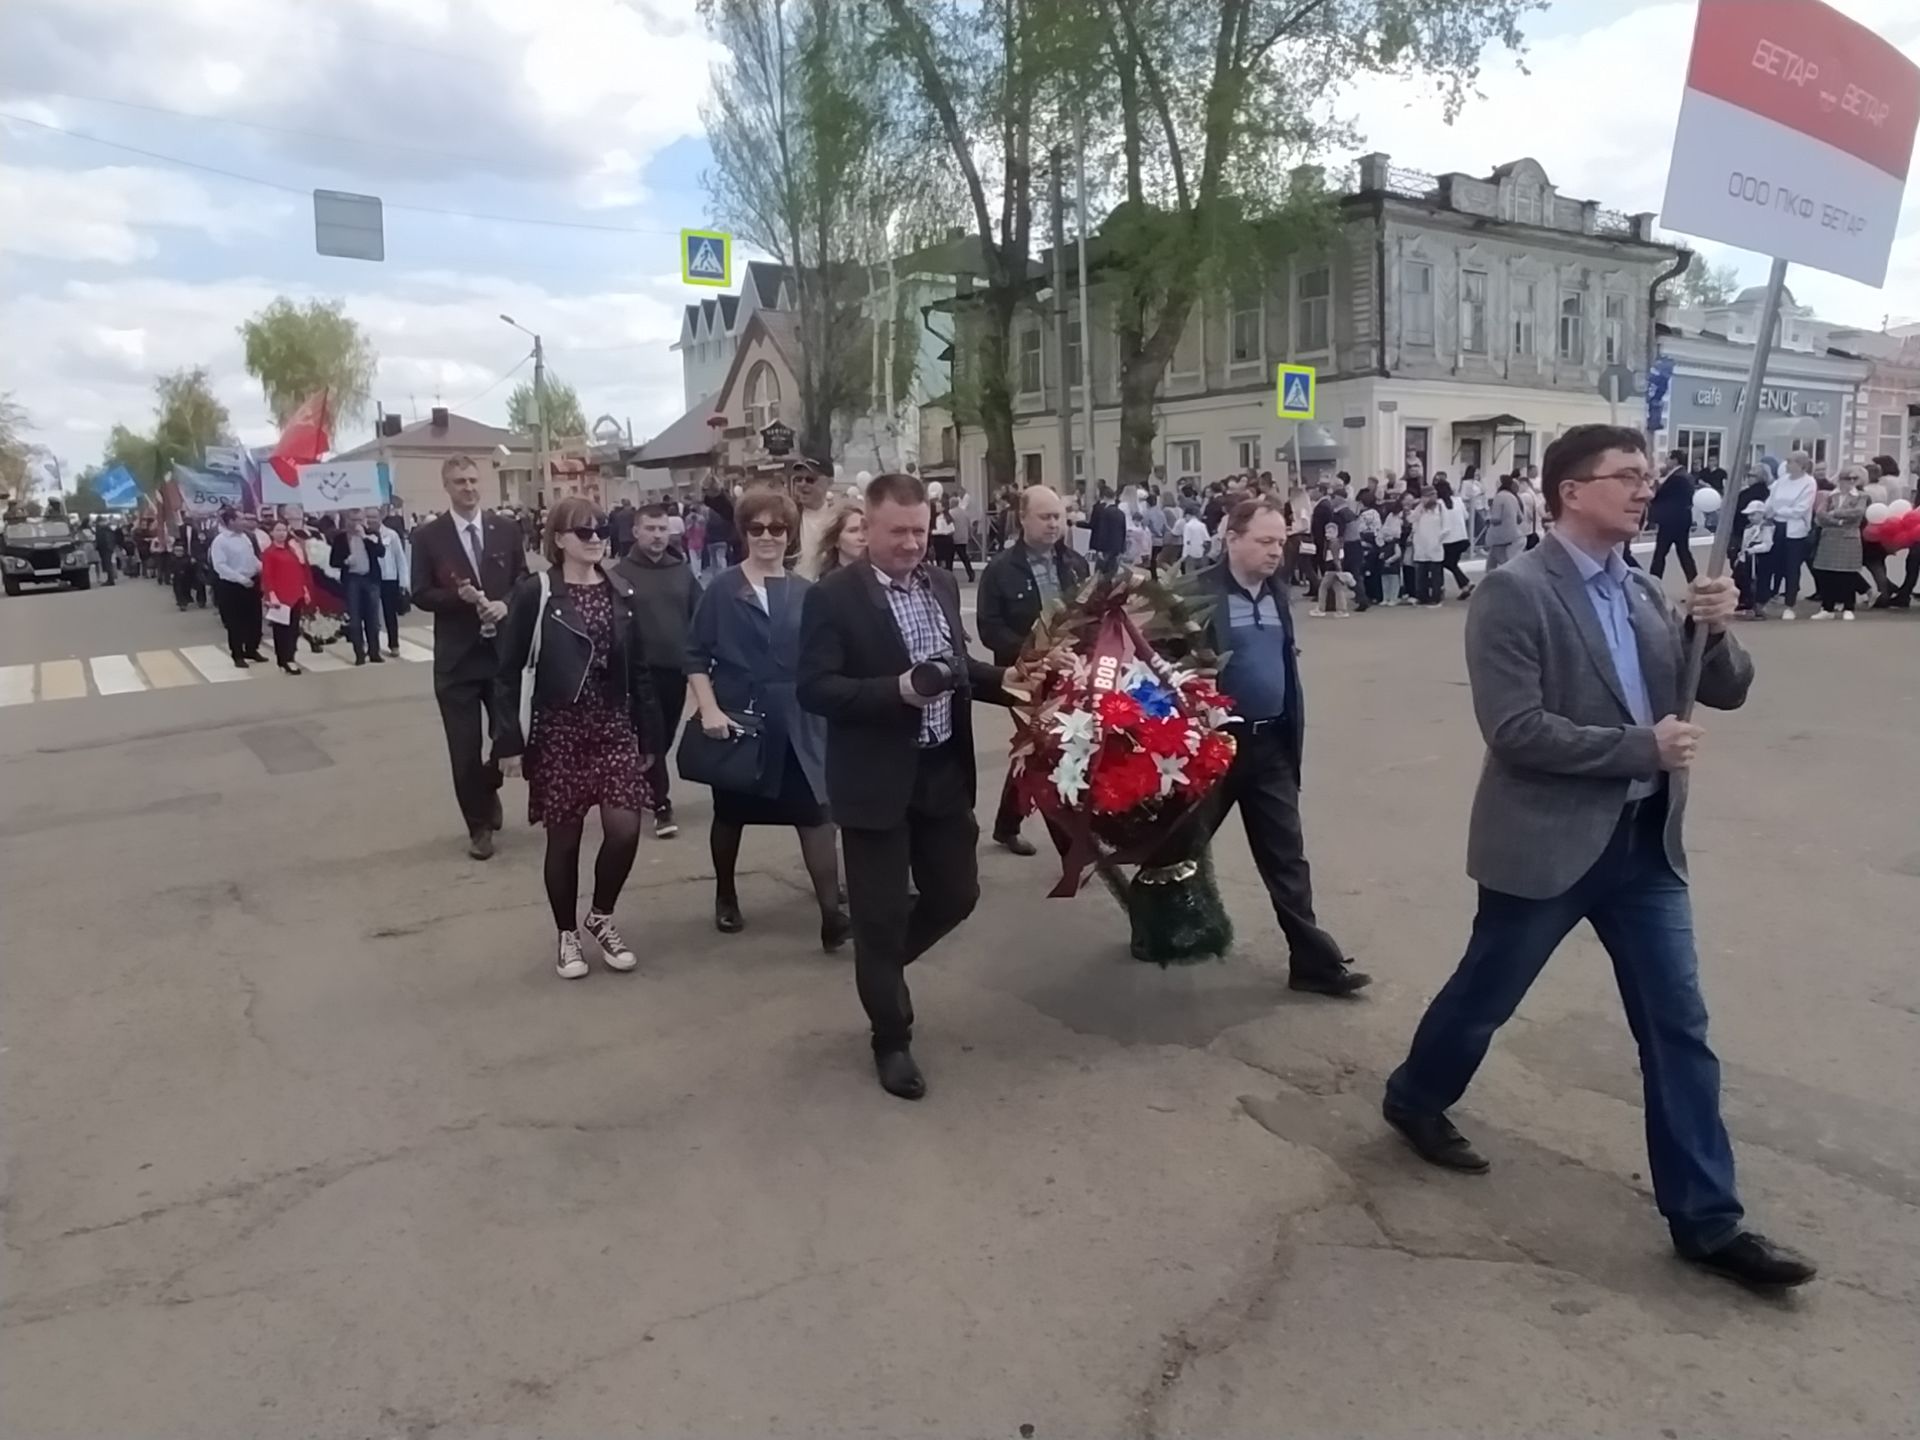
(1503, 528)
(1562, 747)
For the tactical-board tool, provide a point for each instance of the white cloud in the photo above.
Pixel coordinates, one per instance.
(101, 215)
(1597, 109)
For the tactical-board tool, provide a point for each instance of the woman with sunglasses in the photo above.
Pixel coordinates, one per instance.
(845, 541)
(594, 723)
(741, 659)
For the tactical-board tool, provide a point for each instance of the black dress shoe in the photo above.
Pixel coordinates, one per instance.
(256, 657)
(835, 930)
(1435, 1140)
(1015, 843)
(1342, 984)
(1756, 1262)
(899, 1075)
(480, 843)
(727, 918)
(497, 816)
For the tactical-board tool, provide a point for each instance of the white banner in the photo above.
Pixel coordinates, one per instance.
(347, 485)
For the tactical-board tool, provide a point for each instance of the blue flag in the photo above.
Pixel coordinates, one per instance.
(117, 489)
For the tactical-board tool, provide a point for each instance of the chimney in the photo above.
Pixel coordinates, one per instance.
(439, 417)
(390, 425)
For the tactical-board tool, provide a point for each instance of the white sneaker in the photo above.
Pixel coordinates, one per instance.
(1787, 614)
(572, 964)
(1817, 615)
(614, 950)
(1317, 613)
(1847, 615)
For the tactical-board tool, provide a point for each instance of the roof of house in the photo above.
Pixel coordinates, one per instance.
(766, 278)
(459, 435)
(688, 438)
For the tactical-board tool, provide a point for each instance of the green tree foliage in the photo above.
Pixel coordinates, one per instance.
(294, 350)
(188, 417)
(565, 419)
(1217, 101)
(799, 127)
(1706, 284)
(15, 448)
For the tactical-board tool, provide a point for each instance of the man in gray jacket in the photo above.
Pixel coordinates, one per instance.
(665, 595)
(1576, 664)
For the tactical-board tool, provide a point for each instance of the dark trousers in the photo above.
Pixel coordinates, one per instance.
(466, 708)
(189, 583)
(1456, 551)
(1788, 556)
(1749, 578)
(670, 691)
(1006, 819)
(1354, 560)
(107, 567)
(1642, 913)
(390, 611)
(1836, 589)
(1261, 782)
(1676, 539)
(239, 607)
(286, 638)
(1429, 581)
(934, 847)
(363, 614)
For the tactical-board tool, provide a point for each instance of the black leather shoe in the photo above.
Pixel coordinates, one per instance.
(1342, 984)
(899, 1075)
(480, 843)
(1016, 844)
(835, 930)
(256, 657)
(497, 816)
(1756, 1262)
(1435, 1140)
(727, 918)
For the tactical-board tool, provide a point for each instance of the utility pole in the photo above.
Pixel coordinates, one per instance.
(1086, 324)
(1061, 408)
(540, 418)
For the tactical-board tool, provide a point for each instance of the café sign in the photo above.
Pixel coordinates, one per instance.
(1774, 400)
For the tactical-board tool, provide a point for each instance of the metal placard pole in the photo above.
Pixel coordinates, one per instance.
(1737, 475)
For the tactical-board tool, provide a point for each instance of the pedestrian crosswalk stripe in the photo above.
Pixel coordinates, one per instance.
(163, 669)
(115, 675)
(414, 652)
(16, 684)
(62, 679)
(322, 662)
(213, 663)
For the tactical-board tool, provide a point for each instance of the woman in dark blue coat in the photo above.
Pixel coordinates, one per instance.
(740, 659)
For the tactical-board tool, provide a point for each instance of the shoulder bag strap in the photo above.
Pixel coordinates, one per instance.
(533, 663)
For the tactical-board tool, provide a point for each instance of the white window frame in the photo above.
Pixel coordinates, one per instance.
(1815, 448)
(1406, 445)
(1038, 350)
(1412, 301)
(1614, 327)
(1703, 445)
(1306, 307)
(1247, 448)
(1526, 204)
(1571, 345)
(1526, 318)
(1468, 310)
(1073, 365)
(1197, 325)
(1891, 439)
(759, 416)
(1177, 457)
(1037, 472)
(1240, 311)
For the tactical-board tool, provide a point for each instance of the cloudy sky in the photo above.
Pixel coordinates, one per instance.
(117, 264)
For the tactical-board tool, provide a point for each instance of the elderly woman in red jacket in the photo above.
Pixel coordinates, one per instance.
(286, 587)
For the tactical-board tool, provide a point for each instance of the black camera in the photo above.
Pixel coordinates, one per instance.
(934, 677)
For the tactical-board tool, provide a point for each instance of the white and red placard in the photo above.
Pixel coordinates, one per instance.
(1796, 132)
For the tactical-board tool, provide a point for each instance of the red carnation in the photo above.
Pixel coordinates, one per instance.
(1122, 780)
(1120, 712)
(1210, 761)
(1165, 736)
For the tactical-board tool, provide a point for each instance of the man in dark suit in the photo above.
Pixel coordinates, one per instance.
(1577, 667)
(883, 657)
(465, 564)
(1018, 583)
(1107, 528)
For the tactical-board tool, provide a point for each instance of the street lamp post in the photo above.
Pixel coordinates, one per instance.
(539, 409)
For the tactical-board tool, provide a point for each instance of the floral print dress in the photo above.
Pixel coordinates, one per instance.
(585, 753)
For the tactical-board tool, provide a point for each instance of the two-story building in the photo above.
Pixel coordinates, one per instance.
(1454, 320)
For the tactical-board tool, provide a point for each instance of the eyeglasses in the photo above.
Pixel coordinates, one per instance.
(588, 533)
(767, 527)
(1632, 479)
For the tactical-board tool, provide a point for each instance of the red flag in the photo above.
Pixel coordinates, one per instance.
(304, 438)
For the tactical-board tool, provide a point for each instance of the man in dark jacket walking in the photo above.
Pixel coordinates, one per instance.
(1107, 528)
(1018, 583)
(665, 595)
(1671, 511)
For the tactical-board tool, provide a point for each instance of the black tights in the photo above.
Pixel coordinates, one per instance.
(619, 843)
(816, 848)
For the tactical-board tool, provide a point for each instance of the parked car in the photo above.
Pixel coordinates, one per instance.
(43, 552)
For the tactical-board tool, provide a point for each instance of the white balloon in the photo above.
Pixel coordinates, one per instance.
(1706, 500)
(1897, 508)
(863, 478)
(1876, 492)
(934, 490)
(1877, 512)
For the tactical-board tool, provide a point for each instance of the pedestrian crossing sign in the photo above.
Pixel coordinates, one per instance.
(1293, 390)
(706, 257)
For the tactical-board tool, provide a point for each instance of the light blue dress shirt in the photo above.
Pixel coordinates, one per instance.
(1607, 588)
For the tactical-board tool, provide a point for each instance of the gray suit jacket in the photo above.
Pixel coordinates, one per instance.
(1562, 747)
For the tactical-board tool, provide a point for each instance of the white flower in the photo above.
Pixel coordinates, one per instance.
(1070, 778)
(1173, 771)
(1076, 730)
(1138, 673)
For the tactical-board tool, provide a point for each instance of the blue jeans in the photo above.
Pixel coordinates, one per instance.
(1641, 911)
(363, 613)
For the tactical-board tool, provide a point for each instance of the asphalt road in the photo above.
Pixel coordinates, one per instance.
(303, 1138)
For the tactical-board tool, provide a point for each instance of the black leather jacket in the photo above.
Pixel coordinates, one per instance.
(566, 655)
(1009, 600)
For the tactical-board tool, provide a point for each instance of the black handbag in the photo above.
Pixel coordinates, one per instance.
(735, 763)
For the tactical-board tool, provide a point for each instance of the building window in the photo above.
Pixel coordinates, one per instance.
(1573, 318)
(1247, 449)
(1247, 334)
(1030, 378)
(1892, 427)
(763, 397)
(1073, 353)
(1190, 354)
(1526, 300)
(1313, 311)
(1416, 302)
(1701, 446)
(1473, 311)
(1185, 455)
(1030, 468)
(1419, 438)
(1815, 449)
(1616, 323)
(1522, 450)
(1526, 205)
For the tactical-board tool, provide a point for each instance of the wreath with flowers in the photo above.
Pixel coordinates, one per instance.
(1122, 739)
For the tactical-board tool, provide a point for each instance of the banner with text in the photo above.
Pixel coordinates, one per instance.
(343, 485)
